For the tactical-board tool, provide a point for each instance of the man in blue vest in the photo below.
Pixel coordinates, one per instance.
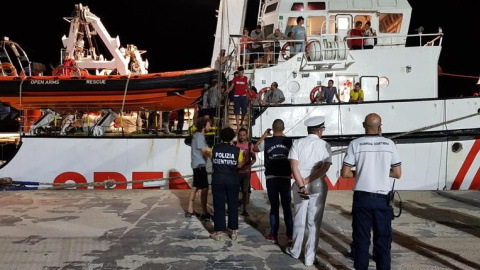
(278, 175)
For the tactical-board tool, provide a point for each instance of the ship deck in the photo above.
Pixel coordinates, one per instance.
(146, 229)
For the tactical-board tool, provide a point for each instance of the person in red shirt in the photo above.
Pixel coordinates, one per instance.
(356, 44)
(240, 87)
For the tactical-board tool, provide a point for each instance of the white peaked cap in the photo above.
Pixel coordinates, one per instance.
(315, 121)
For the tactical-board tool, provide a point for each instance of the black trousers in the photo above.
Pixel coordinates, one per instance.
(225, 190)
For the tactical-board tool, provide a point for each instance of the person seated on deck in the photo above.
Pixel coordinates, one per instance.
(327, 94)
(274, 96)
(356, 96)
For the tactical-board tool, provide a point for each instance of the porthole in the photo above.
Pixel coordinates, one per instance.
(457, 147)
(384, 82)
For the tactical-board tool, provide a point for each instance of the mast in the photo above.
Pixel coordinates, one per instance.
(229, 22)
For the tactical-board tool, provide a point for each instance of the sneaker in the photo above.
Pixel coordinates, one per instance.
(271, 238)
(289, 252)
(245, 214)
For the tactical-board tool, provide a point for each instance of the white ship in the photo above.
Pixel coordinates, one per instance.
(438, 139)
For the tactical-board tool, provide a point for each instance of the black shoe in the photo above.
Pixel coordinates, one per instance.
(245, 214)
(349, 256)
(206, 216)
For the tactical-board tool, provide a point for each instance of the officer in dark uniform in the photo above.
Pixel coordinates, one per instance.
(278, 175)
(226, 159)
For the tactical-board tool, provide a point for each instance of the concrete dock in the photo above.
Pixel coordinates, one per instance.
(146, 229)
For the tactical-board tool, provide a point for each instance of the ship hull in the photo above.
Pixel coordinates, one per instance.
(429, 162)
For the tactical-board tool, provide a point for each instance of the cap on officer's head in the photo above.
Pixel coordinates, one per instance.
(315, 121)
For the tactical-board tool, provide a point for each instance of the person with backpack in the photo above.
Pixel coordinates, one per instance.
(369, 32)
(245, 171)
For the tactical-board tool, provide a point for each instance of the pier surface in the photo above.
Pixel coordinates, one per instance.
(146, 229)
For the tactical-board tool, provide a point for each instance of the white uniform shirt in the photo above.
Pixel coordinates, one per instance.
(308, 152)
(373, 157)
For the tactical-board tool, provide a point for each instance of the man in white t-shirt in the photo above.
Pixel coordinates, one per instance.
(310, 158)
(376, 160)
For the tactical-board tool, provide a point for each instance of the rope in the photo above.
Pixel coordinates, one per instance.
(125, 94)
(339, 151)
(458, 75)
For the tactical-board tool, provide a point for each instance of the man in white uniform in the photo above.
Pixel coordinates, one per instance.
(376, 160)
(310, 158)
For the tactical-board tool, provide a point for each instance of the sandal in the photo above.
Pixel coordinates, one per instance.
(234, 236)
(216, 236)
(190, 214)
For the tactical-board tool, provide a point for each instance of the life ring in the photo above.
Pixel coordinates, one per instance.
(9, 69)
(314, 91)
(284, 51)
(261, 93)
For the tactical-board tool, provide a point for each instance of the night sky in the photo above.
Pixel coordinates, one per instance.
(178, 34)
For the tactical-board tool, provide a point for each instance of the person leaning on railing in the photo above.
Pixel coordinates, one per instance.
(275, 46)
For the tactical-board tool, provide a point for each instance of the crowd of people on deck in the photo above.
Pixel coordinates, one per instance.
(371, 160)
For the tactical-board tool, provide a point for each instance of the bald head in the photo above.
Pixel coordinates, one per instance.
(372, 124)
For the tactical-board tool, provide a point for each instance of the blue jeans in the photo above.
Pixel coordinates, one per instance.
(280, 187)
(371, 210)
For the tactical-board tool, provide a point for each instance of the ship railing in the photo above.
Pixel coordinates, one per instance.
(411, 40)
(325, 49)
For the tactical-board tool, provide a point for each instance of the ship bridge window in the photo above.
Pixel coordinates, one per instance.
(271, 8)
(267, 30)
(315, 26)
(316, 6)
(390, 22)
(362, 18)
(297, 7)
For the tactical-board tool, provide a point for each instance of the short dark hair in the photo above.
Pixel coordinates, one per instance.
(275, 83)
(278, 125)
(242, 129)
(300, 18)
(227, 134)
(240, 68)
(368, 23)
(202, 123)
(258, 26)
(313, 130)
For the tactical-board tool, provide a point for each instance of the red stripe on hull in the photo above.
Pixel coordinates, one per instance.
(466, 166)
